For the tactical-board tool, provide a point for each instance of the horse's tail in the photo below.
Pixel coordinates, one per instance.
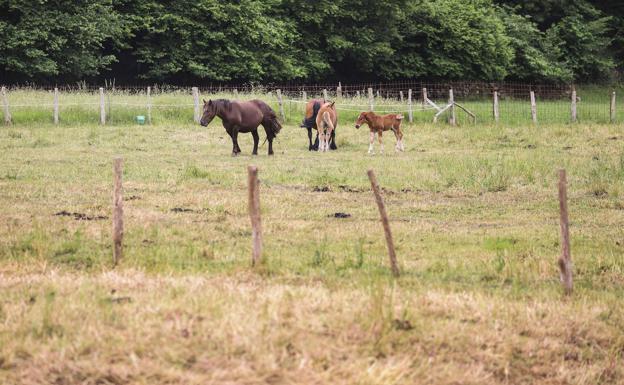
(272, 125)
(311, 121)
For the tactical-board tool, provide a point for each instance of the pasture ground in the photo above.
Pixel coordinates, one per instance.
(475, 219)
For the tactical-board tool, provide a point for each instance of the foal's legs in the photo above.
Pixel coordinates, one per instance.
(399, 136)
(381, 147)
(372, 139)
(256, 139)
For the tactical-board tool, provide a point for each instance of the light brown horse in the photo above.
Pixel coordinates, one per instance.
(326, 121)
(309, 121)
(380, 123)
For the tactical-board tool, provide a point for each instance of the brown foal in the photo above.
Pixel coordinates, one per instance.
(380, 123)
(326, 121)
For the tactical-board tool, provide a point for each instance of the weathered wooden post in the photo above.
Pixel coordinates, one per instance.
(339, 91)
(254, 214)
(196, 115)
(371, 104)
(424, 98)
(495, 109)
(573, 106)
(533, 107)
(357, 94)
(612, 110)
(410, 112)
(102, 107)
(5, 102)
(56, 106)
(325, 97)
(565, 261)
(118, 231)
(452, 117)
(281, 105)
(401, 96)
(304, 99)
(235, 93)
(149, 105)
(384, 222)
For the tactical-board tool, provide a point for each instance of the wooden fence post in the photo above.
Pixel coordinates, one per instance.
(196, 115)
(357, 94)
(370, 99)
(410, 112)
(612, 110)
(385, 222)
(281, 105)
(339, 90)
(452, 117)
(565, 260)
(533, 107)
(5, 102)
(254, 214)
(495, 109)
(325, 97)
(102, 107)
(424, 98)
(304, 98)
(235, 93)
(378, 96)
(118, 231)
(149, 105)
(573, 106)
(401, 96)
(56, 106)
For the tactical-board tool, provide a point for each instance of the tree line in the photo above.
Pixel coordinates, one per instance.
(238, 41)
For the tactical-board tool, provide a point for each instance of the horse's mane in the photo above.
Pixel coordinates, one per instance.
(225, 103)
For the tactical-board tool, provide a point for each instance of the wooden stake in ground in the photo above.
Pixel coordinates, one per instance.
(254, 214)
(56, 106)
(117, 210)
(325, 97)
(565, 261)
(339, 91)
(196, 115)
(495, 107)
(149, 105)
(410, 112)
(370, 99)
(424, 98)
(102, 107)
(280, 102)
(384, 222)
(533, 107)
(5, 102)
(573, 107)
(452, 117)
(612, 108)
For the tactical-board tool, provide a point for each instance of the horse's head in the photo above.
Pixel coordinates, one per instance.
(360, 120)
(210, 110)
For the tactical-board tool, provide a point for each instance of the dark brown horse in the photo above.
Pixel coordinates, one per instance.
(309, 121)
(243, 117)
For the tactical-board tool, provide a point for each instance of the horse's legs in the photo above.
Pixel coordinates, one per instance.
(400, 137)
(321, 141)
(270, 139)
(316, 142)
(381, 147)
(236, 150)
(397, 147)
(310, 147)
(333, 140)
(256, 139)
(372, 139)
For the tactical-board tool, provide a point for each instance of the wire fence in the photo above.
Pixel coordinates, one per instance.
(502, 103)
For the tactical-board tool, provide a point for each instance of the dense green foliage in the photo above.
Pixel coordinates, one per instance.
(282, 40)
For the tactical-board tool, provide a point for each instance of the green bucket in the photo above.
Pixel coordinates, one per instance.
(140, 119)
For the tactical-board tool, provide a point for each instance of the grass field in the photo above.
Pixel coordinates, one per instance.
(475, 219)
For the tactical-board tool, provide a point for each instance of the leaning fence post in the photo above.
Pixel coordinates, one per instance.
(410, 112)
(452, 118)
(385, 222)
(281, 105)
(533, 107)
(102, 107)
(495, 109)
(149, 105)
(370, 99)
(565, 261)
(5, 102)
(339, 90)
(117, 210)
(56, 106)
(612, 110)
(573, 106)
(196, 115)
(254, 214)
